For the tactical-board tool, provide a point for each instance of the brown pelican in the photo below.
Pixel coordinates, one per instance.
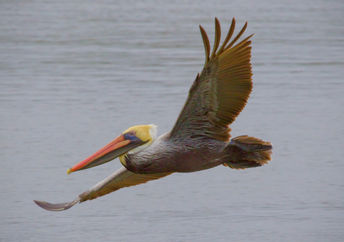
(200, 138)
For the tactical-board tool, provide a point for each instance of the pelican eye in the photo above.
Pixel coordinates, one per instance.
(131, 136)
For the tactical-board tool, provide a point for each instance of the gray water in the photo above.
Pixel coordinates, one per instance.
(74, 74)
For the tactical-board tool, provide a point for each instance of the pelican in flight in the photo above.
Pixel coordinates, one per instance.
(200, 138)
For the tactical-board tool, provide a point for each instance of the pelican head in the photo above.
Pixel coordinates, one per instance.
(133, 140)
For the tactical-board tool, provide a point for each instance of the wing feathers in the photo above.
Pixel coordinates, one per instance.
(229, 35)
(56, 206)
(237, 37)
(221, 91)
(119, 179)
(206, 44)
(217, 37)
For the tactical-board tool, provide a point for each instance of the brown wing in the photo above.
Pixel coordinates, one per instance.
(219, 94)
(119, 179)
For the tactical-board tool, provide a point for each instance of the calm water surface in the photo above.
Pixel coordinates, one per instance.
(74, 74)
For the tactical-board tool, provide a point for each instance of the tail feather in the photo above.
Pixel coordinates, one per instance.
(245, 152)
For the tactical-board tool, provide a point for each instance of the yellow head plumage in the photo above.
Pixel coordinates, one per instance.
(146, 133)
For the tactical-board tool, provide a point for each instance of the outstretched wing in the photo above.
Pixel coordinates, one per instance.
(219, 94)
(119, 179)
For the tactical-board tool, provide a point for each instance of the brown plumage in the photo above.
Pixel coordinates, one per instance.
(200, 138)
(219, 94)
(245, 152)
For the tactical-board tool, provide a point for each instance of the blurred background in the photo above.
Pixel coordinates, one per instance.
(74, 74)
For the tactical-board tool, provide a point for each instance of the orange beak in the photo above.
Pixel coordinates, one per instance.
(117, 147)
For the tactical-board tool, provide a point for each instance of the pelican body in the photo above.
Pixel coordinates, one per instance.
(174, 155)
(200, 138)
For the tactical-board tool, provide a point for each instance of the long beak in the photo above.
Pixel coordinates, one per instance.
(117, 147)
